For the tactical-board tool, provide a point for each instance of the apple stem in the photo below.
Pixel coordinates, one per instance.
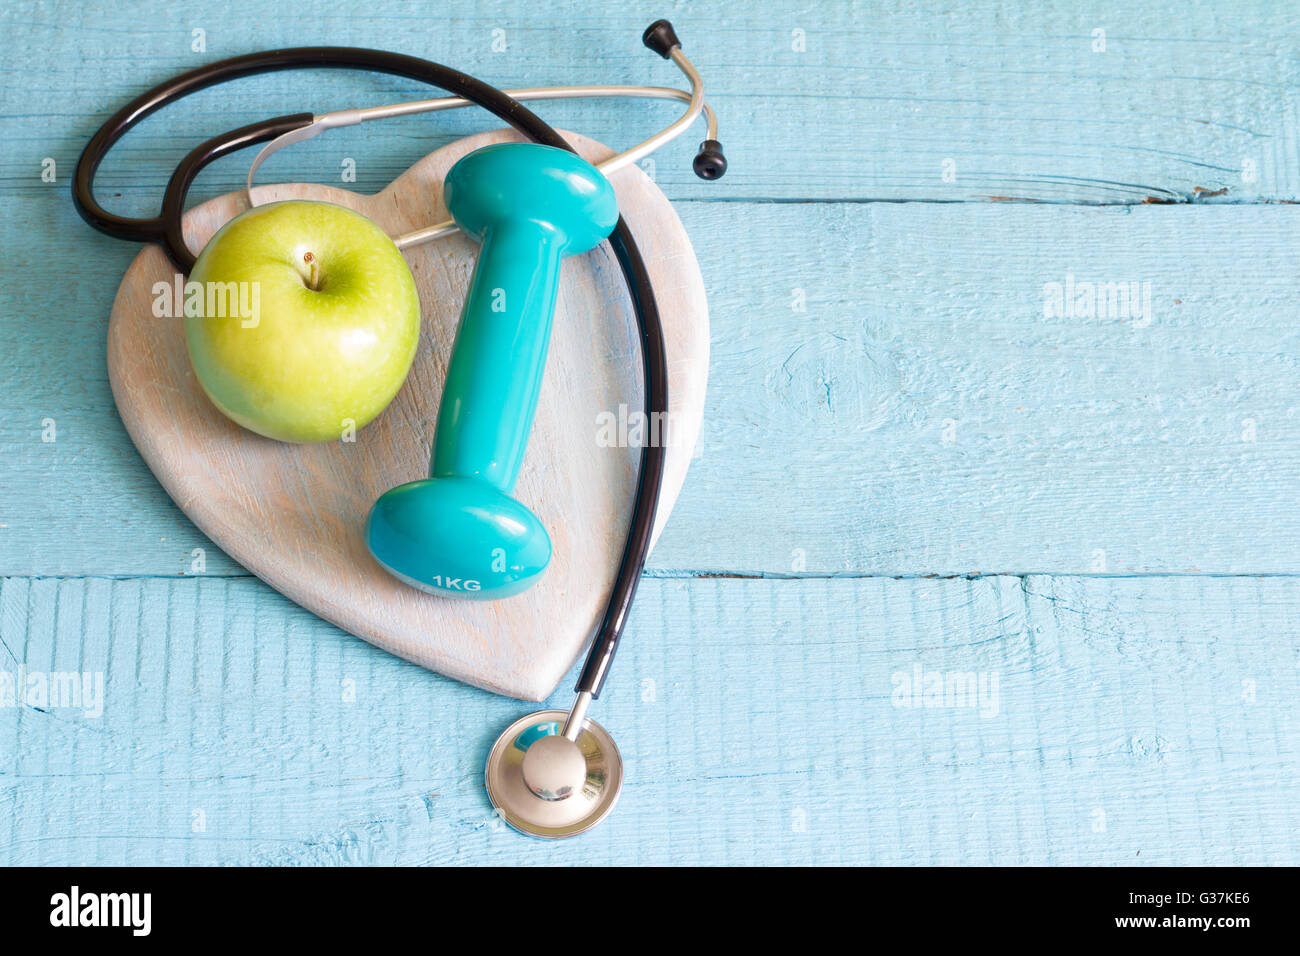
(313, 282)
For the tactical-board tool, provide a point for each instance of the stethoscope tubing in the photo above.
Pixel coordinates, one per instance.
(167, 230)
(654, 362)
(342, 119)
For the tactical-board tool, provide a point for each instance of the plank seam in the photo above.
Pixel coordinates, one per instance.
(674, 574)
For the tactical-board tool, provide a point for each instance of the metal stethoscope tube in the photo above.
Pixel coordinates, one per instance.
(341, 119)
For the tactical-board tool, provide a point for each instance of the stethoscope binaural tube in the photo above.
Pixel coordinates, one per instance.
(166, 229)
(709, 163)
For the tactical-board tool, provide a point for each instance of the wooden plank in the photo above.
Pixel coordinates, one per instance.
(921, 415)
(983, 101)
(1122, 721)
(1144, 719)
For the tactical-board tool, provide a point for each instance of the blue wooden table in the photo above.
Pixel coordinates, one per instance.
(990, 554)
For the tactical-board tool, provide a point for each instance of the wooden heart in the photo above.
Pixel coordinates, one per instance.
(293, 514)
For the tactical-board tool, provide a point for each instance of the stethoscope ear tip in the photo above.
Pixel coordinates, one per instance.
(709, 162)
(661, 37)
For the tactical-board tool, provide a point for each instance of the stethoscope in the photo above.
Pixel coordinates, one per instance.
(553, 773)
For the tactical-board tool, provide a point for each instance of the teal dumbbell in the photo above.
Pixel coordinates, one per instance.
(459, 532)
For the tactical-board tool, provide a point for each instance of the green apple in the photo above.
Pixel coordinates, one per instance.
(319, 328)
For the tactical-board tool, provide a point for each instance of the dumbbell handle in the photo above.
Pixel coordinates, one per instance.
(495, 372)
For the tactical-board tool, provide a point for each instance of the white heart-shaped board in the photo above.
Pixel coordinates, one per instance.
(294, 514)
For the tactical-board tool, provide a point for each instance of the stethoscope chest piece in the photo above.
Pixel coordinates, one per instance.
(546, 785)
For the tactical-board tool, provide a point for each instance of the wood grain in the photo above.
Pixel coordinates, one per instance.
(294, 514)
(921, 415)
(1144, 719)
(983, 101)
(1137, 721)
